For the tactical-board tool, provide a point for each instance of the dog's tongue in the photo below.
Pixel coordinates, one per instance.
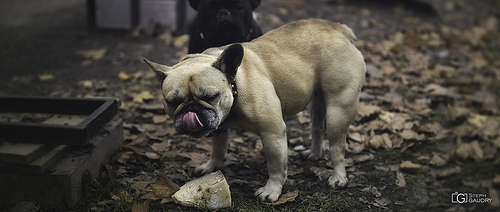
(190, 122)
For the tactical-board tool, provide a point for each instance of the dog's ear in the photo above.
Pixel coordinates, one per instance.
(159, 69)
(230, 60)
(255, 4)
(195, 3)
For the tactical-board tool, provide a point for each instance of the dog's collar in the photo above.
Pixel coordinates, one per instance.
(202, 36)
(234, 91)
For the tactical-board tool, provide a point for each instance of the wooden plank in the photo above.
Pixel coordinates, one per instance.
(71, 120)
(21, 153)
(47, 160)
(38, 166)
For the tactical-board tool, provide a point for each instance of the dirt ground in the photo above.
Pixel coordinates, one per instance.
(428, 125)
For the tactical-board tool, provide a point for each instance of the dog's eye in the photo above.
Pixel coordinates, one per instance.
(240, 7)
(210, 98)
(175, 102)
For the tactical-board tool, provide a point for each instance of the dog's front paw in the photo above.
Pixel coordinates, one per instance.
(208, 167)
(271, 191)
(338, 181)
(311, 155)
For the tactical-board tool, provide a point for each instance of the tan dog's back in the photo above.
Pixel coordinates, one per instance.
(315, 52)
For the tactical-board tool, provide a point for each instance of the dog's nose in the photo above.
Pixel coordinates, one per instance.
(223, 13)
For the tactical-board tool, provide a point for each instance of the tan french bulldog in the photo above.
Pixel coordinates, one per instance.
(257, 85)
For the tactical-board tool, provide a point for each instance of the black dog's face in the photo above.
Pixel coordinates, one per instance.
(225, 20)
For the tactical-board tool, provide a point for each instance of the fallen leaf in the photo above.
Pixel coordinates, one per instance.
(366, 110)
(413, 168)
(288, 197)
(238, 140)
(476, 120)
(387, 143)
(493, 194)
(396, 121)
(373, 190)
(469, 150)
(196, 158)
(163, 189)
(140, 185)
(122, 196)
(166, 37)
(158, 119)
(411, 135)
(144, 207)
(389, 69)
(160, 147)
(496, 180)
(86, 83)
(140, 139)
(440, 173)
(496, 142)
(435, 89)
(382, 202)
(180, 41)
(400, 179)
(45, 77)
(376, 141)
(127, 77)
(95, 54)
(152, 107)
(437, 160)
(124, 157)
(479, 62)
(152, 155)
(362, 158)
(304, 120)
(356, 137)
(143, 96)
(387, 117)
(355, 147)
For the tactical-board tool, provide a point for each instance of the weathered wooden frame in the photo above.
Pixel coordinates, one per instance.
(99, 111)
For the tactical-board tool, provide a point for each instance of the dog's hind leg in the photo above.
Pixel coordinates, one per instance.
(340, 113)
(318, 112)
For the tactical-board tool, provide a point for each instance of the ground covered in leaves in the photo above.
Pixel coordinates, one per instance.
(428, 123)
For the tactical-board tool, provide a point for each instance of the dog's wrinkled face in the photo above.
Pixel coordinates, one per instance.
(197, 92)
(225, 19)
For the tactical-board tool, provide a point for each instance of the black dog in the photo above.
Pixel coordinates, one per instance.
(221, 22)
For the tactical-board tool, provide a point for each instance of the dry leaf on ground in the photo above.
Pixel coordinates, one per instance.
(45, 77)
(437, 160)
(440, 173)
(469, 150)
(94, 54)
(413, 168)
(126, 77)
(288, 197)
(367, 109)
(400, 179)
(196, 158)
(163, 189)
(143, 207)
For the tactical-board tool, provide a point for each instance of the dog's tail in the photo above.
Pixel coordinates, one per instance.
(348, 33)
